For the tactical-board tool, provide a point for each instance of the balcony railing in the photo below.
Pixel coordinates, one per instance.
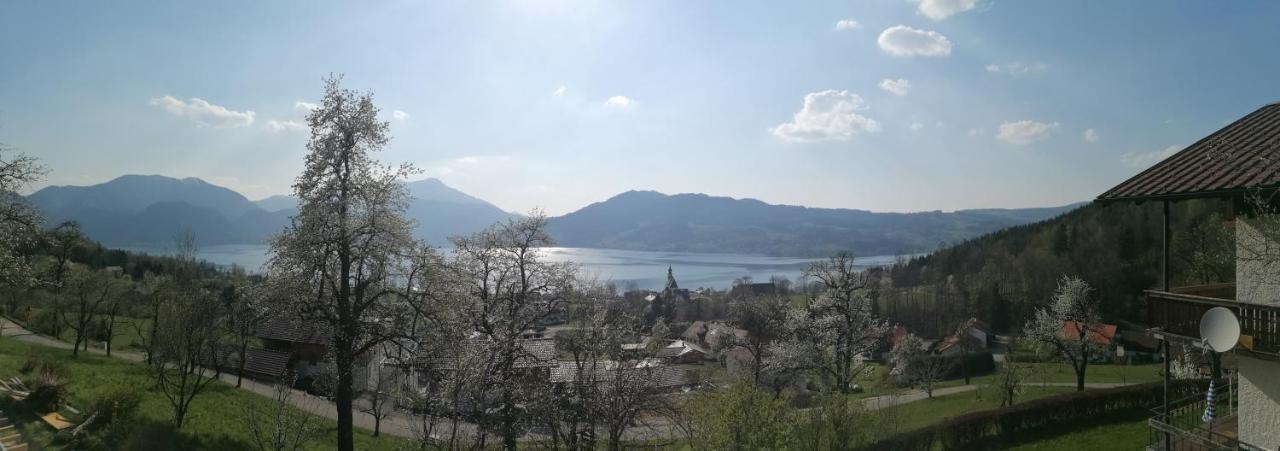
(1182, 429)
(1179, 312)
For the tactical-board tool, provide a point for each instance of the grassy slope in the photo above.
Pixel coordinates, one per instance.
(214, 422)
(930, 411)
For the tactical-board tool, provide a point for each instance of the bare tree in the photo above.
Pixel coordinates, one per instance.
(280, 424)
(838, 323)
(346, 250)
(1070, 324)
(118, 301)
(1009, 380)
(383, 396)
(247, 312)
(913, 362)
(89, 292)
(187, 356)
(154, 291)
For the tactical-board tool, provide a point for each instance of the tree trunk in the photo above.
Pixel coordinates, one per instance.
(244, 348)
(1084, 364)
(342, 397)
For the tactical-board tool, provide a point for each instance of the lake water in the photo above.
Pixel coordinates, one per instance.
(643, 269)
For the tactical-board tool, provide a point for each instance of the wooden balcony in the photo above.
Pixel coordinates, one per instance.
(1177, 312)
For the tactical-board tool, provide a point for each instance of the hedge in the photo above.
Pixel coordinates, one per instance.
(975, 430)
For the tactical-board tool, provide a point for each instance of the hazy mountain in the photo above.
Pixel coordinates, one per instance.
(133, 193)
(277, 202)
(647, 220)
(442, 211)
(139, 210)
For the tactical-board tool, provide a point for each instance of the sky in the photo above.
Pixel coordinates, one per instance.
(883, 105)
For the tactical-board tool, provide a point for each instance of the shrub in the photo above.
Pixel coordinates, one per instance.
(44, 322)
(742, 417)
(115, 406)
(976, 429)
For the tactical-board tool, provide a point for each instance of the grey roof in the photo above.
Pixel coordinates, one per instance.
(266, 363)
(294, 331)
(658, 376)
(1243, 155)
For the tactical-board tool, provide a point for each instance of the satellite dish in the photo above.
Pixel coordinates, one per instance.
(1220, 329)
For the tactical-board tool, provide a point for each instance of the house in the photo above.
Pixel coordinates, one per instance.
(711, 334)
(305, 343)
(1102, 334)
(738, 360)
(681, 352)
(892, 337)
(1231, 164)
(662, 379)
(975, 330)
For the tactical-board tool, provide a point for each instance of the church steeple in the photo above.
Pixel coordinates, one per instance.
(671, 281)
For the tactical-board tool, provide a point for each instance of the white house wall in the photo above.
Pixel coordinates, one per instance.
(1257, 261)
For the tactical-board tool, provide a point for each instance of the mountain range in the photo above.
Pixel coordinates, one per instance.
(652, 221)
(152, 209)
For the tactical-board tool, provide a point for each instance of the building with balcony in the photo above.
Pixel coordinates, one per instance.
(1239, 164)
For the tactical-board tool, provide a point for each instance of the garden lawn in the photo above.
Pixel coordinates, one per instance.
(925, 412)
(215, 421)
(1061, 373)
(1123, 431)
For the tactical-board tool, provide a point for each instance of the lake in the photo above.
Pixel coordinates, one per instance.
(644, 269)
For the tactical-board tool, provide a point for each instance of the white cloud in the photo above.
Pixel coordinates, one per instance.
(827, 115)
(619, 102)
(304, 107)
(899, 87)
(1144, 160)
(1024, 132)
(559, 92)
(901, 40)
(275, 126)
(399, 115)
(847, 24)
(975, 132)
(915, 127)
(1091, 136)
(1017, 68)
(203, 113)
(942, 9)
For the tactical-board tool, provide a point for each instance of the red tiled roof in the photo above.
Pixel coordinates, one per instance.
(1241, 156)
(1101, 334)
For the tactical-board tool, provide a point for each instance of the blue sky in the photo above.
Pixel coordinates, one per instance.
(886, 105)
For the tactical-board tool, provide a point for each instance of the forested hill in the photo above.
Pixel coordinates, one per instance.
(652, 221)
(1004, 275)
